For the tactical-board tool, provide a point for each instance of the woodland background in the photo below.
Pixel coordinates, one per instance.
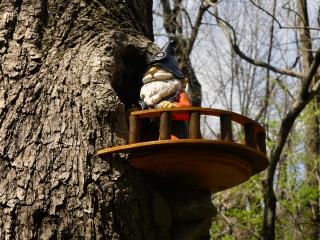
(69, 69)
(260, 59)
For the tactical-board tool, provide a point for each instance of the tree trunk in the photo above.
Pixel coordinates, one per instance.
(312, 129)
(62, 63)
(312, 173)
(173, 24)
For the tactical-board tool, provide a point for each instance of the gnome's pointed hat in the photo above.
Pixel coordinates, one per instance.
(166, 59)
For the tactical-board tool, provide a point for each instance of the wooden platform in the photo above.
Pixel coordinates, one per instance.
(194, 163)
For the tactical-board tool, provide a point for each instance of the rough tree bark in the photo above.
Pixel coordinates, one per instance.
(60, 63)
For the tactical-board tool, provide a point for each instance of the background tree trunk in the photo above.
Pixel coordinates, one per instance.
(312, 128)
(175, 29)
(60, 63)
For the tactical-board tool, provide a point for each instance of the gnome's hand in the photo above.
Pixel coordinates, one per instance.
(166, 104)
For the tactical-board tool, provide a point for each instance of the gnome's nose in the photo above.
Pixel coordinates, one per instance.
(153, 70)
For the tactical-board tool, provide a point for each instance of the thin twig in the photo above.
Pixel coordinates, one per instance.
(266, 12)
(236, 48)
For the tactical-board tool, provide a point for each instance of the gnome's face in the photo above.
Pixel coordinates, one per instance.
(164, 76)
(158, 84)
(155, 74)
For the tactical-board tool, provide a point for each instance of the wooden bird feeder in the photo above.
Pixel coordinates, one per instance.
(196, 163)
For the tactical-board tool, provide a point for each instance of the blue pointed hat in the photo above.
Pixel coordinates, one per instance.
(166, 59)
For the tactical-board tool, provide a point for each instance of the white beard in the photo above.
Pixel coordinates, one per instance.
(152, 92)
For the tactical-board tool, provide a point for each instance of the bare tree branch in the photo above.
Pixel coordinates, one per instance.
(271, 15)
(289, 9)
(305, 85)
(279, 24)
(176, 12)
(174, 28)
(282, 86)
(233, 42)
(188, 16)
(267, 88)
(167, 17)
(195, 29)
(304, 97)
(297, 27)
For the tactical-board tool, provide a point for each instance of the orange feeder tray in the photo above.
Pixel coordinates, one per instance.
(196, 163)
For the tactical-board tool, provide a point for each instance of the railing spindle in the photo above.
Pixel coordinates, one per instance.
(165, 126)
(250, 135)
(194, 125)
(254, 132)
(261, 140)
(226, 127)
(134, 129)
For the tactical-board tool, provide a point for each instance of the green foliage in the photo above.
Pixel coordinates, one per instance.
(241, 209)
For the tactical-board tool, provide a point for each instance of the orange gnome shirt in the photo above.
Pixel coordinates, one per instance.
(182, 101)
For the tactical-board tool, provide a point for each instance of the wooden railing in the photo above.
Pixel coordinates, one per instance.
(255, 135)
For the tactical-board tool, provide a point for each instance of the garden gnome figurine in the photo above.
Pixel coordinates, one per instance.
(163, 87)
